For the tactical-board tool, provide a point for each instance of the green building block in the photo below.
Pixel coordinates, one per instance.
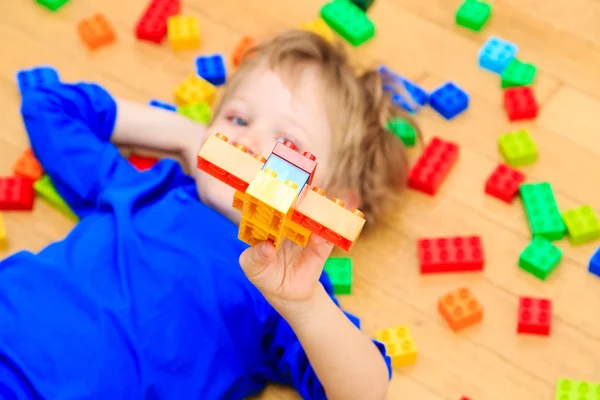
(582, 224)
(46, 190)
(348, 20)
(517, 148)
(52, 5)
(569, 389)
(339, 270)
(517, 73)
(473, 14)
(542, 211)
(540, 257)
(404, 130)
(363, 4)
(199, 112)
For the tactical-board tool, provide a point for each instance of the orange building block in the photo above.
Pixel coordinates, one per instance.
(3, 238)
(96, 31)
(460, 309)
(245, 44)
(28, 166)
(295, 233)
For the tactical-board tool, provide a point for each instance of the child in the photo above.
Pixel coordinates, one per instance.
(145, 297)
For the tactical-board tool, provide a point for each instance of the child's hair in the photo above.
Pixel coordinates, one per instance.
(367, 158)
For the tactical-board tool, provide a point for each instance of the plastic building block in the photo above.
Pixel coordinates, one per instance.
(518, 73)
(28, 166)
(199, 112)
(287, 171)
(405, 94)
(520, 103)
(449, 100)
(212, 68)
(36, 77)
(163, 105)
(3, 236)
(582, 224)
(399, 345)
(305, 161)
(542, 210)
(96, 31)
(142, 163)
(319, 27)
(473, 14)
(535, 316)
(504, 183)
(295, 233)
(404, 130)
(195, 90)
(152, 25)
(245, 45)
(339, 270)
(46, 190)
(363, 4)
(569, 389)
(452, 254)
(433, 166)
(517, 148)
(183, 32)
(16, 193)
(52, 5)
(594, 267)
(540, 258)
(348, 20)
(496, 53)
(460, 309)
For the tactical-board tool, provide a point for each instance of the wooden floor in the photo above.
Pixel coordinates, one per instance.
(419, 39)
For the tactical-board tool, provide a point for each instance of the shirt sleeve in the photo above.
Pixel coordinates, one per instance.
(69, 127)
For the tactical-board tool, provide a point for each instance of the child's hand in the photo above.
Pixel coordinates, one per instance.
(288, 275)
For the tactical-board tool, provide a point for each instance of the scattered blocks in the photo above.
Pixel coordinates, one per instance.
(339, 270)
(535, 316)
(594, 267)
(244, 46)
(520, 103)
(433, 166)
(195, 90)
(3, 236)
(496, 53)
(517, 73)
(142, 163)
(163, 105)
(46, 190)
(28, 166)
(504, 183)
(449, 100)
(16, 193)
(348, 20)
(199, 112)
(582, 224)
(460, 309)
(542, 210)
(152, 25)
(569, 389)
(96, 31)
(36, 77)
(399, 345)
(540, 258)
(319, 27)
(212, 68)
(404, 130)
(52, 5)
(452, 254)
(473, 14)
(405, 94)
(517, 148)
(183, 32)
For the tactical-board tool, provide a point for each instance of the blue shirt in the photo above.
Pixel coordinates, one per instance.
(144, 298)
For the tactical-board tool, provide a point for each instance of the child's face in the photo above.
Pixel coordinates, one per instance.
(263, 110)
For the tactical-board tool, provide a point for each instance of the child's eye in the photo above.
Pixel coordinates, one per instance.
(238, 121)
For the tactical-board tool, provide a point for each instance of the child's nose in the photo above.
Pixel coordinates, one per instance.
(250, 139)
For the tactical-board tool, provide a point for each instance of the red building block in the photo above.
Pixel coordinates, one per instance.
(306, 161)
(16, 193)
(520, 103)
(453, 254)
(433, 166)
(142, 163)
(535, 316)
(504, 183)
(152, 25)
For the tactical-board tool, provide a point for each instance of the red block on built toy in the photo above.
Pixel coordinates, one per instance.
(142, 163)
(433, 166)
(16, 193)
(504, 183)
(152, 25)
(520, 103)
(452, 254)
(535, 316)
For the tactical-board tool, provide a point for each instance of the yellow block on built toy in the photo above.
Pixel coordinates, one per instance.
(320, 27)
(195, 90)
(183, 32)
(399, 345)
(3, 238)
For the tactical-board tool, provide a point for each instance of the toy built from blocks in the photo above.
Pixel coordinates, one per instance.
(275, 195)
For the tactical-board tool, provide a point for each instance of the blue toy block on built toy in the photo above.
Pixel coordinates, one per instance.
(212, 68)
(36, 77)
(595, 263)
(393, 81)
(161, 104)
(449, 100)
(496, 53)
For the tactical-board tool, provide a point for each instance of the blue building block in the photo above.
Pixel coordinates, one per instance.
(161, 104)
(496, 53)
(399, 87)
(287, 171)
(212, 68)
(449, 100)
(595, 263)
(36, 77)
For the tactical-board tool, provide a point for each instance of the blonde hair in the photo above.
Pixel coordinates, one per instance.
(368, 159)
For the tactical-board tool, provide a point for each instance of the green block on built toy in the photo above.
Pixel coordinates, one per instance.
(569, 389)
(404, 130)
(517, 148)
(582, 224)
(339, 270)
(52, 5)
(542, 211)
(540, 257)
(46, 190)
(199, 112)
(517, 73)
(348, 20)
(473, 14)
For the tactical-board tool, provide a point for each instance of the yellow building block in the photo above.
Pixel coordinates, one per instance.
(195, 90)
(252, 234)
(183, 32)
(320, 27)
(296, 233)
(238, 200)
(3, 237)
(399, 345)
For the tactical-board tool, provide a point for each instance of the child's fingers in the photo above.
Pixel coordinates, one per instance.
(256, 258)
(319, 248)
